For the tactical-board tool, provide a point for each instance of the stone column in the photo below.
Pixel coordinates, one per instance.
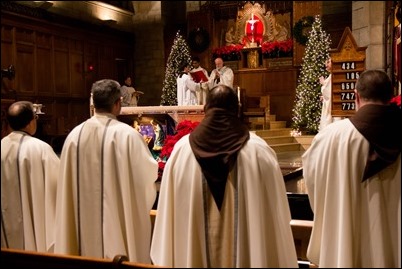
(368, 30)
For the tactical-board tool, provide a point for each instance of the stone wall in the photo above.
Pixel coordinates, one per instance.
(368, 30)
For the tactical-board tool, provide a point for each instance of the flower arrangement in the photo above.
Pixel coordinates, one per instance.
(273, 49)
(183, 128)
(277, 49)
(228, 53)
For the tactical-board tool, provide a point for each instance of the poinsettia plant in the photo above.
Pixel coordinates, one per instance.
(228, 53)
(277, 48)
(184, 127)
(396, 100)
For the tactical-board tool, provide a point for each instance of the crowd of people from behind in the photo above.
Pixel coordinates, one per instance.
(222, 200)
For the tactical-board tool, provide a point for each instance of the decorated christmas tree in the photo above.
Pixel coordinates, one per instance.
(180, 53)
(307, 107)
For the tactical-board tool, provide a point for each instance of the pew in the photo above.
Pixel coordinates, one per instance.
(301, 230)
(15, 258)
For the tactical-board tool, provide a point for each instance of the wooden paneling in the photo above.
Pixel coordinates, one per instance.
(61, 73)
(281, 87)
(77, 75)
(51, 67)
(44, 76)
(301, 9)
(7, 56)
(253, 80)
(24, 65)
(278, 83)
(203, 19)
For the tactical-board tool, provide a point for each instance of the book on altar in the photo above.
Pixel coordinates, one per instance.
(199, 76)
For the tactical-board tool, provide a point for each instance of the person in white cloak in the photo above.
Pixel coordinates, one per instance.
(352, 172)
(106, 187)
(326, 86)
(29, 172)
(221, 75)
(186, 87)
(227, 206)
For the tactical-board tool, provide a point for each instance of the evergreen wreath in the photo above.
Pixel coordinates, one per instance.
(305, 22)
(198, 40)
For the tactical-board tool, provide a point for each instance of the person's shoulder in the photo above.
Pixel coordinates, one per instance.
(337, 131)
(38, 143)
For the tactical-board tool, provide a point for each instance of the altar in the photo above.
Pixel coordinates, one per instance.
(167, 116)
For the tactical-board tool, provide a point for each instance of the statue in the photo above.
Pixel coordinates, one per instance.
(229, 36)
(159, 135)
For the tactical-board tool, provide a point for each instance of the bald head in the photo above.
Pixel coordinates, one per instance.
(218, 63)
(20, 114)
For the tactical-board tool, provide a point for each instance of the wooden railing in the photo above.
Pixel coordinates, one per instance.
(14, 258)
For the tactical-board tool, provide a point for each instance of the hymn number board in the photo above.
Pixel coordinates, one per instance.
(348, 62)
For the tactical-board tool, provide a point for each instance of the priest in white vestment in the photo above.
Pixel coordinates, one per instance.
(221, 75)
(106, 186)
(29, 172)
(353, 177)
(222, 200)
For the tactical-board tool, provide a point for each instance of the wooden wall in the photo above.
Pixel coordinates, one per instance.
(276, 78)
(52, 66)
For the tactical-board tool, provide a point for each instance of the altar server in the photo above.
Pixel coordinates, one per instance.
(186, 87)
(106, 186)
(353, 176)
(227, 206)
(29, 171)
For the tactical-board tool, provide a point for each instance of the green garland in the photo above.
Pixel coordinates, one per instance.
(305, 22)
(198, 40)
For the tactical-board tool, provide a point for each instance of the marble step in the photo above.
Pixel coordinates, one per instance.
(286, 147)
(274, 132)
(277, 124)
(257, 124)
(273, 140)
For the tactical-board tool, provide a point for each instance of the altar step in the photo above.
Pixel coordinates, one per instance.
(257, 123)
(280, 139)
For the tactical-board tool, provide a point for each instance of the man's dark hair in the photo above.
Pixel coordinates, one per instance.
(105, 93)
(222, 96)
(20, 114)
(374, 85)
(195, 58)
(183, 65)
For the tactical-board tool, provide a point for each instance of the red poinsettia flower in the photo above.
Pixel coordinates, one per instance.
(228, 52)
(282, 46)
(396, 100)
(183, 128)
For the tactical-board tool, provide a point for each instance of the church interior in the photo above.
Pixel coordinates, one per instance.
(52, 52)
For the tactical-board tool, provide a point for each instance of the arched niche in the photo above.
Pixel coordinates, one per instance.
(267, 25)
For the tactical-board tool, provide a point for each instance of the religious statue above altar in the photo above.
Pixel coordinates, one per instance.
(255, 25)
